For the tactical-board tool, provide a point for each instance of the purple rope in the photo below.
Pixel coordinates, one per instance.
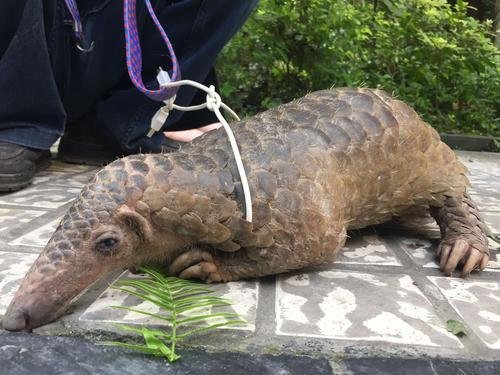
(77, 22)
(134, 54)
(133, 47)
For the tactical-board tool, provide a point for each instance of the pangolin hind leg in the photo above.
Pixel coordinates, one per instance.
(463, 239)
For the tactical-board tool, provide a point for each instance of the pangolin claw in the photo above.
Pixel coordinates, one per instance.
(462, 252)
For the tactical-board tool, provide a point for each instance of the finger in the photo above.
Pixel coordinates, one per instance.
(190, 134)
(472, 262)
(183, 135)
(445, 252)
(459, 250)
(210, 127)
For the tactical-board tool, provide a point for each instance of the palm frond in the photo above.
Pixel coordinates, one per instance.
(183, 305)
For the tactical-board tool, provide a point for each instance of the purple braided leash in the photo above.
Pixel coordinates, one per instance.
(77, 22)
(134, 54)
(133, 47)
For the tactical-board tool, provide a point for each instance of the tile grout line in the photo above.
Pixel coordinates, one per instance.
(21, 207)
(266, 307)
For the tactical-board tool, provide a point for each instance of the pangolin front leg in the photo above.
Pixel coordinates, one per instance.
(463, 239)
(201, 264)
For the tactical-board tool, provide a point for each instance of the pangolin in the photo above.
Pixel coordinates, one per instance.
(331, 161)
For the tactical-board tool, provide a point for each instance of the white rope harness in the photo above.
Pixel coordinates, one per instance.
(213, 103)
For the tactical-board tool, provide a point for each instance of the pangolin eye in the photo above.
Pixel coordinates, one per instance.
(106, 245)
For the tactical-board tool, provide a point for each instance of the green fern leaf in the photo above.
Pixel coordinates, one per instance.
(185, 304)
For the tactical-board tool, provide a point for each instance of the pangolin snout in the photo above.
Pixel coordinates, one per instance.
(17, 320)
(24, 314)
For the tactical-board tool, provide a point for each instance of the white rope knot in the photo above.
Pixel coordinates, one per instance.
(169, 104)
(213, 103)
(214, 100)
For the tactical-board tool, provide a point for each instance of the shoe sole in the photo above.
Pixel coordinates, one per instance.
(14, 182)
(7, 187)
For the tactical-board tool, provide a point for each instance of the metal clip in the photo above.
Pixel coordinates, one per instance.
(85, 50)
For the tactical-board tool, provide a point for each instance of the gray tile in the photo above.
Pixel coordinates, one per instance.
(421, 251)
(67, 167)
(38, 237)
(479, 178)
(43, 196)
(486, 196)
(485, 179)
(47, 176)
(62, 178)
(477, 302)
(367, 249)
(243, 294)
(484, 167)
(13, 267)
(494, 263)
(75, 181)
(11, 217)
(358, 306)
(486, 201)
(477, 156)
(492, 219)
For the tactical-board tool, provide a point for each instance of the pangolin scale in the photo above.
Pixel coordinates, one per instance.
(331, 161)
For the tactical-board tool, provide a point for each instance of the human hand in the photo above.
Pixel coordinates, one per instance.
(189, 135)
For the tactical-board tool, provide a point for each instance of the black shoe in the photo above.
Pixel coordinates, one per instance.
(18, 165)
(81, 146)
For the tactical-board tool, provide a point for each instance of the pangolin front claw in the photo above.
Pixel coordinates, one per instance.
(196, 264)
(462, 252)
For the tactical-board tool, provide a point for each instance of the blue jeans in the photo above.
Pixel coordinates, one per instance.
(47, 84)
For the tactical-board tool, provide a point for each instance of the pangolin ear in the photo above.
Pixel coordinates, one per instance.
(136, 222)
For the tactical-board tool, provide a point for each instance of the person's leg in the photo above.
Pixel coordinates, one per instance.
(31, 112)
(198, 30)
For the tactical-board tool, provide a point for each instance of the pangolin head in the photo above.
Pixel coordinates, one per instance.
(100, 233)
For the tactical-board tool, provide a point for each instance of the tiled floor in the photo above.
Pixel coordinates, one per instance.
(384, 293)
(243, 292)
(358, 306)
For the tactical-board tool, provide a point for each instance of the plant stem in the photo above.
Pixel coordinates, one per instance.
(174, 337)
(174, 330)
